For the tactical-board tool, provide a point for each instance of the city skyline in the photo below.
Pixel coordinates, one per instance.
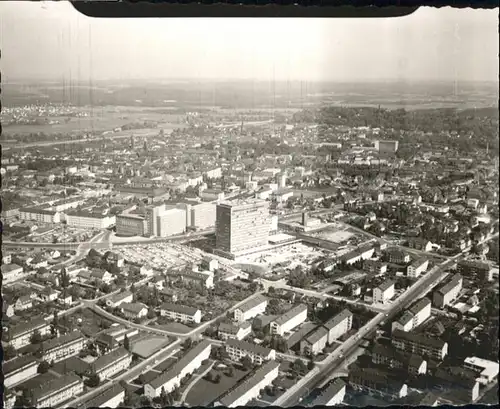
(428, 45)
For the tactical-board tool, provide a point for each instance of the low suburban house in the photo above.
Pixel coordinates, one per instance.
(134, 310)
(117, 299)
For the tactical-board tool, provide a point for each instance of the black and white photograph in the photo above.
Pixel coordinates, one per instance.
(202, 212)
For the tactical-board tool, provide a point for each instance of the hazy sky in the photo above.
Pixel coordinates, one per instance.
(53, 41)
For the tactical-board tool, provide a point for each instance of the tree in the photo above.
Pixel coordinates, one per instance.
(126, 343)
(230, 372)
(310, 365)
(187, 344)
(299, 367)
(64, 278)
(93, 380)
(43, 367)
(151, 314)
(246, 362)
(9, 352)
(217, 378)
(36, 338)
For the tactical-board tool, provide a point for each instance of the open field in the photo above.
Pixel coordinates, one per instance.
(97, 120)
(147, 346)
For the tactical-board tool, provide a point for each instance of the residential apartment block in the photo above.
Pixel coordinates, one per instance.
(239, 332)
(111, 397)
(11, 273)
(471, 267)
(448, 292)
(57, 349)
(332, 395)
(57, 391)
(384, 292)
(189, 363)
(415, 269)
(315, 342)
(19, 335)
(111, 364)
(251, 308)
(257, 353)
(338, 325)
(19, 369)
(251, 387)
(377, 382)
(288, 321)
(413, 364)
(180, 313)
(419, 344)
(414, 316)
